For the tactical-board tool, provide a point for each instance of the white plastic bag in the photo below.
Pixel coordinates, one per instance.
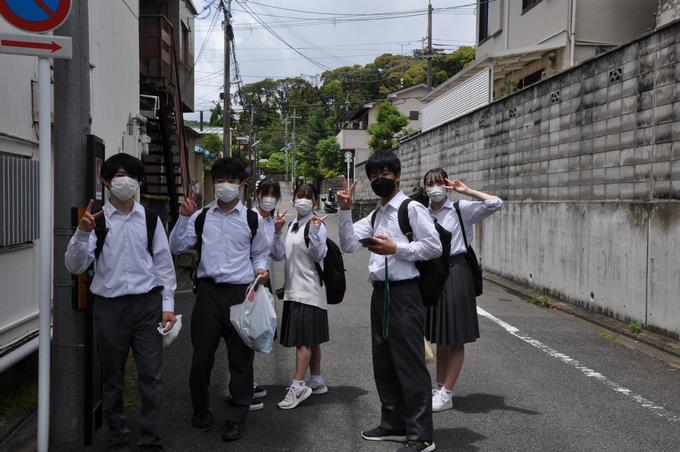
(255, 319)
(170, 336)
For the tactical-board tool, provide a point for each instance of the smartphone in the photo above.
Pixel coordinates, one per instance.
(368, 241)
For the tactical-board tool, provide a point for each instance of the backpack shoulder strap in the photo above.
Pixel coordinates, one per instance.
(198, 230)
(460, 221)
(319, 270)
(404, 222)
(373, 215)
(100, 230)
(253, 223)
(151, 223)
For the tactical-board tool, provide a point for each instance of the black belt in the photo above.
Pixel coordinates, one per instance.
(133, 296)
(220, 285)
(457, 258)
(403, 282)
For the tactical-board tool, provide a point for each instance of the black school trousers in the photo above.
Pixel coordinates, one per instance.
(399, 368)
(121, 324)
(210, 323)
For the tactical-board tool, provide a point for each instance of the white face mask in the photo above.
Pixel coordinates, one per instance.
(227, 192)
(303, 206)
(124, 187)
(436, 193)
(267, 203)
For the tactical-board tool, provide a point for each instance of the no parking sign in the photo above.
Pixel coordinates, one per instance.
(36, 16)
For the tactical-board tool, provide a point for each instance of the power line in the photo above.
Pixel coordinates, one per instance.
(277, 36)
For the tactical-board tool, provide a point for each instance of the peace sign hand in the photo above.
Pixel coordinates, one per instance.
(190, 204)
(346, 194)
(456, 185)
(280, 221)
(88, 220)
(316, 221)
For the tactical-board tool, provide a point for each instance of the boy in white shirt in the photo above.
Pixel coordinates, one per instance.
(397, 310)
(134, 286)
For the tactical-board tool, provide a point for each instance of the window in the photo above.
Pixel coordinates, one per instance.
(413, 115)
(483, 31)
(19, 201)
(184, 50)
(528, 4)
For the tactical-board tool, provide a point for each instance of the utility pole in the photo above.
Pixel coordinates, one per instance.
(429, 45)
(228, 36)
(251, 141)
(71, 327)
(286, 138)
(293, 140)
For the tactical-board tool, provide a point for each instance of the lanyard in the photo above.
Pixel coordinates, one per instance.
(386, 304)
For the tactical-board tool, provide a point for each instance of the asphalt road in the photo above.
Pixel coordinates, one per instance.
(538, 379)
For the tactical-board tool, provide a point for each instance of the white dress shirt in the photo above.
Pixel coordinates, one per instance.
(277, 250)
(425, 246)
(472, 212)
(302, 280)
(125, 266)
(228, 256)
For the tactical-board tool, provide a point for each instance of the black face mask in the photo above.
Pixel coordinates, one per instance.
(383, 186)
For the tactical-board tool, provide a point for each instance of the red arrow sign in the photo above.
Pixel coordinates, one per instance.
(53, 46)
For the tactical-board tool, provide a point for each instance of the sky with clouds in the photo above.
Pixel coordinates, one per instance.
(330, 33)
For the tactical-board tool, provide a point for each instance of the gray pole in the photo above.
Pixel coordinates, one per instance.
(227, 82)
(429, 45)
(293, 140)
(286, 138)
(70, 326)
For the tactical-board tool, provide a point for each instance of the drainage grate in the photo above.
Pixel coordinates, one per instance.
(555, 97)
(615, 75)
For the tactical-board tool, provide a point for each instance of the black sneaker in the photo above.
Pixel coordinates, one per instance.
(231, 431)
(424, 446)
(259, 392)
(202, 421)
(381, 434)
(256, 405)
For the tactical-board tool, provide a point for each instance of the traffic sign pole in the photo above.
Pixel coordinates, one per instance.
(45, 149)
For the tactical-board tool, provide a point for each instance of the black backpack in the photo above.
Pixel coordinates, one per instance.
(100, 230)
(471, 256)
(333, 273)
(253, 223)
(433, 272)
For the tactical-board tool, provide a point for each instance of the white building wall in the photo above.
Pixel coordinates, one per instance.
(114, 55)
(19, 265)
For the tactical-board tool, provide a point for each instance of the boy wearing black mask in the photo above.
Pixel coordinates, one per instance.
(397, 311)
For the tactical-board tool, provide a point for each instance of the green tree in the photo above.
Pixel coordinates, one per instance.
(216, 116)
(330, 157)
(276, 163)
(385, 131)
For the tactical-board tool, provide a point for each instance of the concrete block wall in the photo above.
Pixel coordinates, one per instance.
(588, 162)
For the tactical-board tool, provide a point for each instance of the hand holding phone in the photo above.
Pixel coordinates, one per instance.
(368, 241)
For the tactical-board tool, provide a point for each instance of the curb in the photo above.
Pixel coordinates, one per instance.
(658, 341)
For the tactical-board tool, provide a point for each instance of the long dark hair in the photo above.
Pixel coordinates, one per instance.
(269, 185)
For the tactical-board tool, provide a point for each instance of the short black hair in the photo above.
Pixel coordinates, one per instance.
(228, 167)
(380, 160)
(306, 190)
(132, 166)
(438, 175)
(269, 185)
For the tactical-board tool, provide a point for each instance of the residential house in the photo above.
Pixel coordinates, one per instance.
(115, 119)
(353, 125)
(520, 42)
(166, 70)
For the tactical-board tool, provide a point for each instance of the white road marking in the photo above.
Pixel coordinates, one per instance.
(645, 403)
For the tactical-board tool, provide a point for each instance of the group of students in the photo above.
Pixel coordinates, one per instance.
(134, 286)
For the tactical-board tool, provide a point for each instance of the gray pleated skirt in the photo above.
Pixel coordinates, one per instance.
(303, 325)
(453, 320)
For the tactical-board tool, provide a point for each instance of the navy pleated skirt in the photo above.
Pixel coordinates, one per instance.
(453, 320)
(303, 325)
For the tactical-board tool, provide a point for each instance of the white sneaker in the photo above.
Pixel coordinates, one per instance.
(441, 402)
(435, 389)
(256, 405)
(294, 397)
(318, 388)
